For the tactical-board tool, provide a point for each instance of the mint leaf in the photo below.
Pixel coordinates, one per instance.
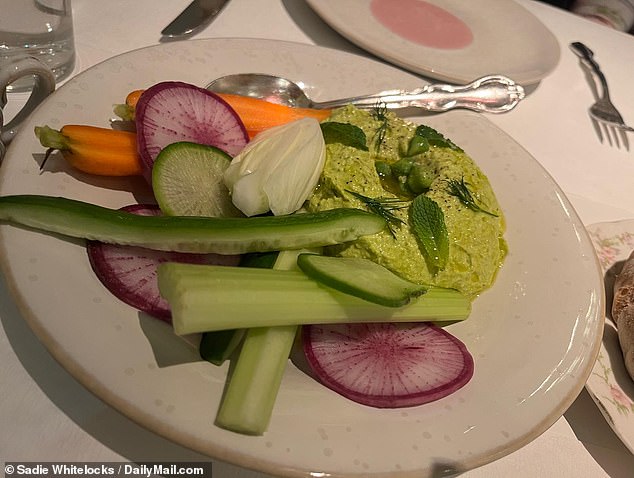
(426, 136)
(428, 225)
(344, 133)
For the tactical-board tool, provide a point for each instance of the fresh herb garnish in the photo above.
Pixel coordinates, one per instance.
(460, 189)
(380, 114)
(383, 207)
(426, 136)
(428, 224)
(344, 133)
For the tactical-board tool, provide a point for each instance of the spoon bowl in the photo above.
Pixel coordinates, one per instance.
(490, 94)
(267, 87)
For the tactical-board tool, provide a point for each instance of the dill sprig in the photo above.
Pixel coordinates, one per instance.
(460, 189)
(383, 207)
(380, 114)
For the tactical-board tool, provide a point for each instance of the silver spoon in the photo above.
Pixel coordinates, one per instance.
(490, 94)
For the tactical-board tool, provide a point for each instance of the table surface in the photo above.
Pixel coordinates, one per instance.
(45, 415)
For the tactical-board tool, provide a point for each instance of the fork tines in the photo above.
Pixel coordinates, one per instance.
(615, 134)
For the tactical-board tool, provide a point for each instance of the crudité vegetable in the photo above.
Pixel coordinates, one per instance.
(93, 150)
(220, 235)
(201, 152)
(187, 180)
(278, 169)
(360, 277)
(396, 356)
(192, 113)
(217, 347)
(283, 297)
(253, 384)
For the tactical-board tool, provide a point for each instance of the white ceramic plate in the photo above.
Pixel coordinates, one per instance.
(609, 384)
(534, 335)
(505, 37)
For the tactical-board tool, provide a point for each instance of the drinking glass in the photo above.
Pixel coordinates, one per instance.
(37, 28)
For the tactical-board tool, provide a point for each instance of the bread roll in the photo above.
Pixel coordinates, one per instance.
(623, 311)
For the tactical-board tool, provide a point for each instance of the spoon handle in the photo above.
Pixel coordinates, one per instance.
(490, 94)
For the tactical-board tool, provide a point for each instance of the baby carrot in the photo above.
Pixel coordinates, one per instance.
(259, 115)
(93, 150)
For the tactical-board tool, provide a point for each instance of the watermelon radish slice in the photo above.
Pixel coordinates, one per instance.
(130, 272)
(174, 111)
(387, 365)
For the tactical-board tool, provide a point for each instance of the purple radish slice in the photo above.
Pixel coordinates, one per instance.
(173, 111)
(387, 365)
(130, 273)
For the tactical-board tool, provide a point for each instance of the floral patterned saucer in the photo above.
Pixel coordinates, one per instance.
(609, 383)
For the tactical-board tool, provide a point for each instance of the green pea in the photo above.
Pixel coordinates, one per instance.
(402, 167)
(383, 169)
(420, 178)
(417, 145)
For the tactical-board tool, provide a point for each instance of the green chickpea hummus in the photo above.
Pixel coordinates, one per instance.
(390, 168)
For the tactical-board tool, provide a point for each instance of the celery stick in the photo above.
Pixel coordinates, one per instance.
(217, 346)
(252, 388)
(246, 297)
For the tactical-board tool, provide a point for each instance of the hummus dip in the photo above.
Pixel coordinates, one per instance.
(476, 244)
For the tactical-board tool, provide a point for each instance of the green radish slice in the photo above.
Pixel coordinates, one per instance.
(360, 277)
(187, 179)
(387, 365)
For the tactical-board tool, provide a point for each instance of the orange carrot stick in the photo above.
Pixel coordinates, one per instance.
(93, 150)
(259, 115)
(133, 98)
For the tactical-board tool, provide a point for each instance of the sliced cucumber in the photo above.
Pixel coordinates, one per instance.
(231, 235)
(361, 278)
(187, 179)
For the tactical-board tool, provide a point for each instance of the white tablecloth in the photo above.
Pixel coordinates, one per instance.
(45, 415)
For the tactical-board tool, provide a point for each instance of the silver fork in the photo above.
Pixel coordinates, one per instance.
(607, 120)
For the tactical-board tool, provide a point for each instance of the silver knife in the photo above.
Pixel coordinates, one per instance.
(194, 18)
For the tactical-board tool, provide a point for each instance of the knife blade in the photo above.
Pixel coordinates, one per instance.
(194, 18)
